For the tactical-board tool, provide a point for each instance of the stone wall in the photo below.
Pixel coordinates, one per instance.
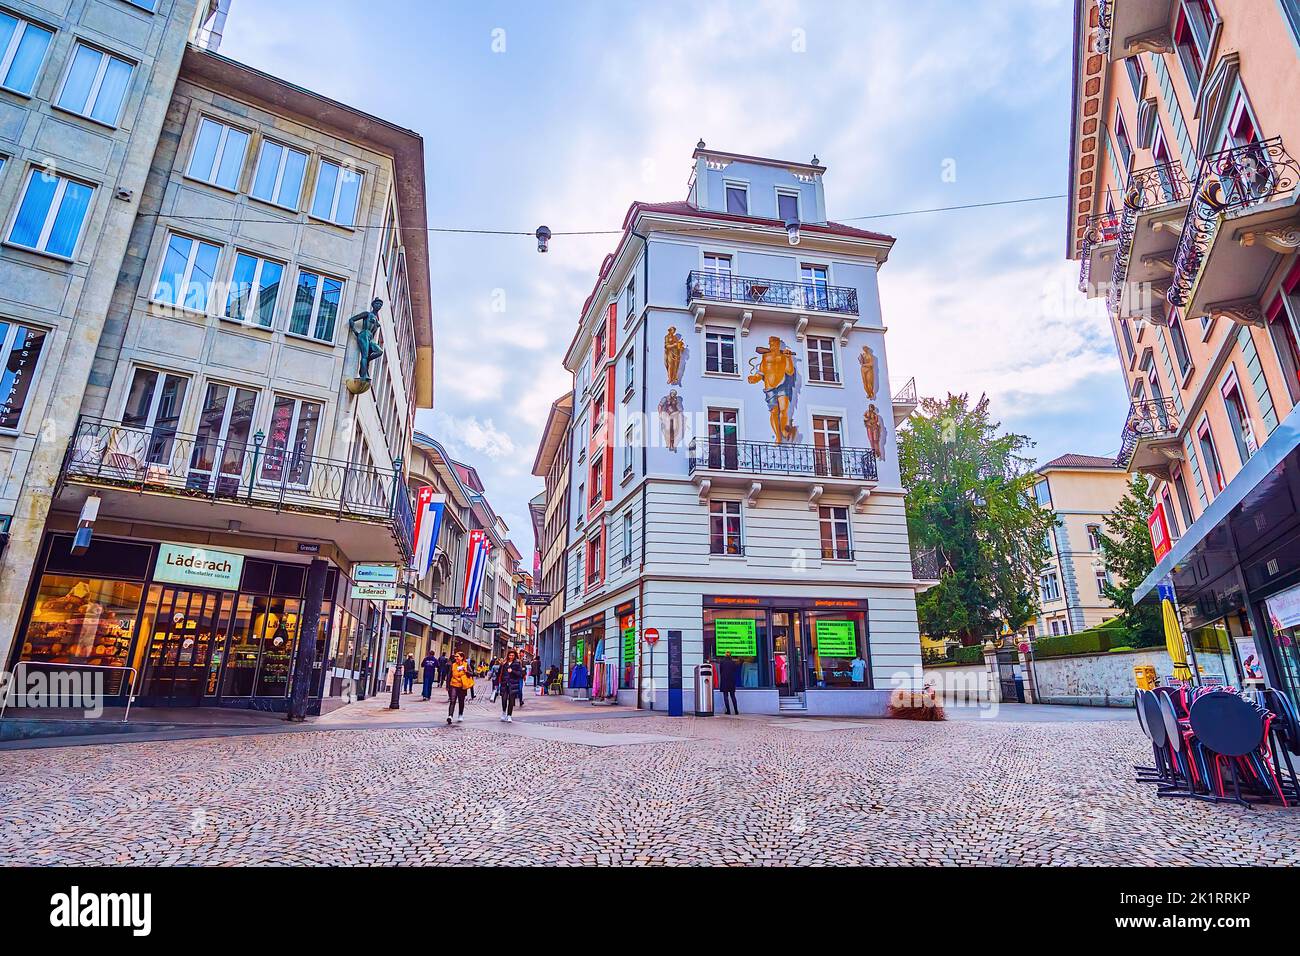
(1103, 680)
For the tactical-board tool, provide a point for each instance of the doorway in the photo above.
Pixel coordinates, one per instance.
(187, 628)
(221, 445)
(787, 653)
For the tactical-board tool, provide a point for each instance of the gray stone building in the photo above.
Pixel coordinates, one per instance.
(238, 441)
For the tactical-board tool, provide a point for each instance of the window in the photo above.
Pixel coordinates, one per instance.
(1192, 39)
(816, 293)
(290, 441)
(821, 360)
(597, 481)
(1042, 494)
(629, 368)
(787, 205)
(628, 443)
(188, 269)
(1127, 336)
(594, 561)
(1049, 587)
(737, 199)
(834, 522)
(1292, 10)
(720, 352)
(218, 156)
(1239, 419)
(723, 432)
(154, 403)
(828, 442)
(1123, 148)
(1214, 472)
(724, 528)
(279, 175)
(1102, 579)
(629, 300)
(254, 290)
(337, 190)
(582, 501)
(96, 84)
(52, 213)
(316, 306)
(1170, 515)
(20, 348)
(1133, 66)
(717, 263)
(627, 538)
(1282, 326)
(1179, 342)
(1184, 502)
(22, 51)
(1056, 628)
(1094, 537)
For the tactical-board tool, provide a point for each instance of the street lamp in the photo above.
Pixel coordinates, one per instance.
(792, 230)
(543, 237)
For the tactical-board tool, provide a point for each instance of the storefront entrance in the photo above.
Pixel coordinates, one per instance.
(788, 653)
(184, 653)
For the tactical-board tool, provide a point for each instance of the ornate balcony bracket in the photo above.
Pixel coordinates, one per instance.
(751, 496)
(845, 328)
(1153, 41)
(745, 318)
(1240, 311)
(1162, 261)
(1173, 227)
(699, 318)
(704, 485)
(860, 500)
(814, 496)
(801, 327)
(1280, 239)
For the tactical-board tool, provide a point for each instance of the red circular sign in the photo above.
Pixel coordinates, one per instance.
(651, 635)
(1024, 647)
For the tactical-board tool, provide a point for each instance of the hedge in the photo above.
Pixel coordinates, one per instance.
(969, 655)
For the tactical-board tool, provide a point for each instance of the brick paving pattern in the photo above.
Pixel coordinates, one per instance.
(750, 792)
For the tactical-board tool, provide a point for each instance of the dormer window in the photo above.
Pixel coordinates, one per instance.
(787, 205)
(737, 199)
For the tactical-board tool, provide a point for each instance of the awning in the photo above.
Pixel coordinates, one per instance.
(1256, 477)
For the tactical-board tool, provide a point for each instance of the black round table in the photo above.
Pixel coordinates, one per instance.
(1226, 724)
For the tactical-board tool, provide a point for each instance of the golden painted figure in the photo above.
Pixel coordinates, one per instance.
(875, 431)
(775, 369)
(674, 346)
(868, 362)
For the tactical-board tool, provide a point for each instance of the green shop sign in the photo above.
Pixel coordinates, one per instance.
(836, 639)
(737, 636)
(629, 645)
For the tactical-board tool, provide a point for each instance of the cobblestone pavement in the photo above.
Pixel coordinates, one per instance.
(726, 791)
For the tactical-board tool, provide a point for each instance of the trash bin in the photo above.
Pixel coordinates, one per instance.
(1144, 677)
(703, 690)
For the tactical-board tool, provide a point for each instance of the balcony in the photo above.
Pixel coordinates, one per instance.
(163, 477)
(758, 465)
(1241, 217)
(905, 402)
(1155, 204)
(813, 303)
(925, 568)
(1150, 440)
(1131, 26)
(1100, 232)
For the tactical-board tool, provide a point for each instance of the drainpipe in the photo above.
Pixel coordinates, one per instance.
(645, 457)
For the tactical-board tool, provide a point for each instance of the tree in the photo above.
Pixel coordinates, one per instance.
(970, 495)
(1126, 544)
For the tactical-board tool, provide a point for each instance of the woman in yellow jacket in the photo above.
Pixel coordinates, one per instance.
(462, 679)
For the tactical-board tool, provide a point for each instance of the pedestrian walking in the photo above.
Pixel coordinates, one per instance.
(430, 667)
(459, 683)
(511, 679)
(444, 669)
(728, 672)
(537, 674)
(494, 676)
(408, 673)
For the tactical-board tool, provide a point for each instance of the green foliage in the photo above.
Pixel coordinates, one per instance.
(1126, 541)
(970, 495)
(973, 654)
(1111, 635)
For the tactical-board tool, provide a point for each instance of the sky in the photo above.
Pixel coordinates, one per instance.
(564, 113)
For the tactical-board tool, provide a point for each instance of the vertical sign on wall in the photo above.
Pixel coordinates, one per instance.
(1158, 525)
(674, 673)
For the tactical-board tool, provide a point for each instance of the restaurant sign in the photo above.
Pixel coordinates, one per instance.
(198, 567)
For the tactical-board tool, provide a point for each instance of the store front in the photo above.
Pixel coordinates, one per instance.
(195, 626)
(586, 646)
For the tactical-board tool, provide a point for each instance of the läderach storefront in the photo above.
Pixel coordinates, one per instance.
(198, 625)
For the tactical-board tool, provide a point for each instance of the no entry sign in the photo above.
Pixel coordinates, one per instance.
(652, 635)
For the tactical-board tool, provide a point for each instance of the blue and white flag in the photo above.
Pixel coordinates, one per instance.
(428, 523)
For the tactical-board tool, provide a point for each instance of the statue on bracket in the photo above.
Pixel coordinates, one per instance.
(672, 419)
(868, 362)
(774, 367)
(674, 346)
(365, 329)
(875, 431)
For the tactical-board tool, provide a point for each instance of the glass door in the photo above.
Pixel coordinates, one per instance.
(185, 629)
(723, 434)
(828, 440)
(787, 653)
(221, 442)
(154, 405)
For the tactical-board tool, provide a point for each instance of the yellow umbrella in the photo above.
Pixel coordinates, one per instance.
(1174, 642)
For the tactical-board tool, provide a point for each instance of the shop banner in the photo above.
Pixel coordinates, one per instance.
(1284, 608)
(735, 636)
(428, 524)
(374, 573)
(198, 567)
(374, 592)
(1158, 525)
(629, 640)
(836, 639)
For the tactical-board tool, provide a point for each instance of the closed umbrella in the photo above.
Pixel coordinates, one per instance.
(1174, 642)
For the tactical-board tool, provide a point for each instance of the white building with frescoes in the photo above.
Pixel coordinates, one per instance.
(734, 476)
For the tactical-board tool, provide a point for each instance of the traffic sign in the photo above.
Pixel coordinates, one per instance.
(651, 635)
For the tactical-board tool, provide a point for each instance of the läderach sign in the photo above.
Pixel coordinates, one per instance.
(199, 567)
(737, 636)
(836, 639)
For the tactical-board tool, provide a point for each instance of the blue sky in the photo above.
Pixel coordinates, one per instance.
(564, 113)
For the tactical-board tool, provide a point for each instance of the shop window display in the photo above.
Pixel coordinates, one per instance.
(77, 620)
(837, 657)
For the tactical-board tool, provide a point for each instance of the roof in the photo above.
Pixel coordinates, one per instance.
(761, 160)
(1072, 460)
(557, 422)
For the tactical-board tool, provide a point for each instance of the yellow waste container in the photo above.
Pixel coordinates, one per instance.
(1144, 676)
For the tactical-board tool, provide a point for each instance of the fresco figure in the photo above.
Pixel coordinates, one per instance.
(672, 419)
(774, 367)
(868, 362)
(875, 431)
(674, 346)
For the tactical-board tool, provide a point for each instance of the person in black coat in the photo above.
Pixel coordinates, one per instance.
(430, 667)
(444, 669)
(728, 674)
(510, 677)
(408, 673)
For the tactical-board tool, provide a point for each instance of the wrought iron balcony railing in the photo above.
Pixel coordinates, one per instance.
(1096, 230)
(1161, 185)
(925, 564)
(769, 458)
(257, 475)
(1228, 181)
(748, 290)
(1156, 418)
(907, 394)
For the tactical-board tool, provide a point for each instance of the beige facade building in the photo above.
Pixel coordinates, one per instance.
(238, 445)
(551, 524)
(1082, 491)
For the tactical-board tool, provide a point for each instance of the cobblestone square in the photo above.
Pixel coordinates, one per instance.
(748, 791)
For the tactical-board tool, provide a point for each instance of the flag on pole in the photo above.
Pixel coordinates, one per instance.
(428, 523)
(475, 565)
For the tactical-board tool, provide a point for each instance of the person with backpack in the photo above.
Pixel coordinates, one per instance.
(408, 673)
(430, 667)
